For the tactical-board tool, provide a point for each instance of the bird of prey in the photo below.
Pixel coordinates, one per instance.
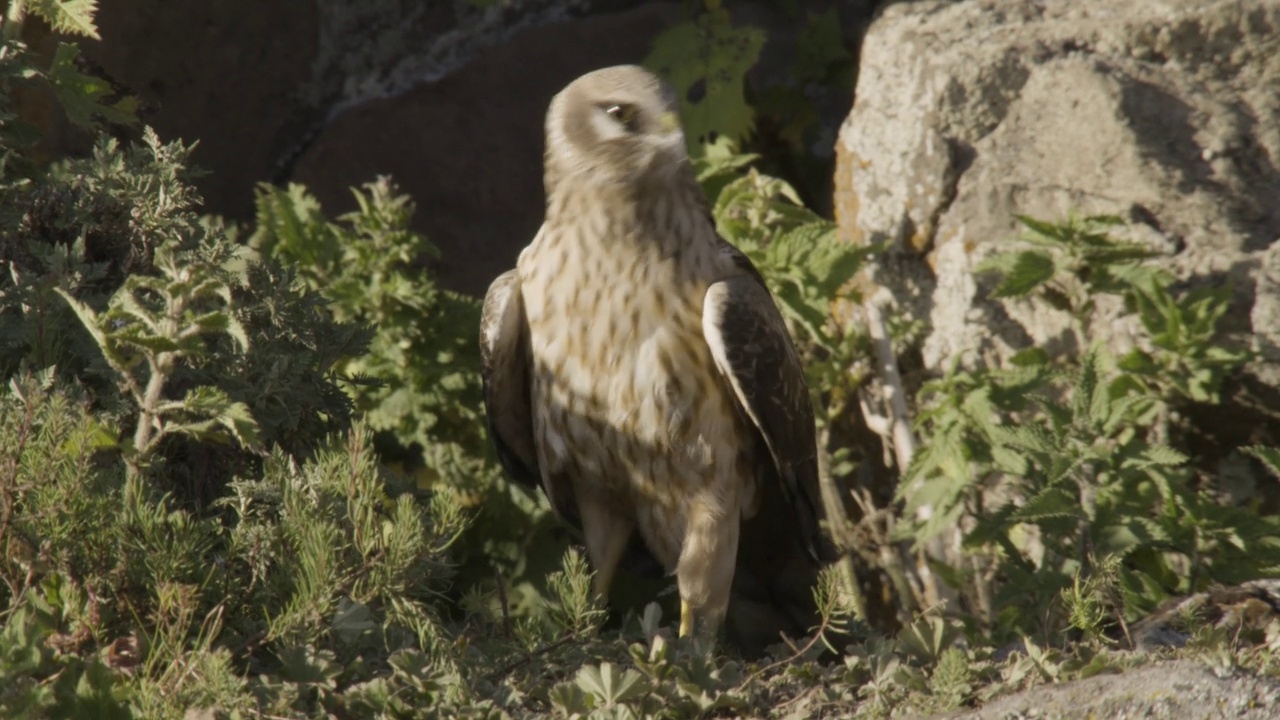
(636, 368)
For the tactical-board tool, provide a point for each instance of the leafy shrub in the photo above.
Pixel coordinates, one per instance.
(417, 381)
(420, 384)
(179, 507)
(1055, 465)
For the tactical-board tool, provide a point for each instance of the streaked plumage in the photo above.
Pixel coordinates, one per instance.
(637, 369)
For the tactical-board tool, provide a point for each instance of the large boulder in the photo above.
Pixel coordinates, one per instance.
(1166, 112)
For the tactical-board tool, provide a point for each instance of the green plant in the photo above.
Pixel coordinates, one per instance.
(1061, 462)
(711, 54)
(419, 383)
(153, 324)
(112, 278)
(42, 680)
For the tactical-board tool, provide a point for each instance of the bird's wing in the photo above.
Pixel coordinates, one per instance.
(754, 352)
(505, 368)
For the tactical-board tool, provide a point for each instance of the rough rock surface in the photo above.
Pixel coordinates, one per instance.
(1163, 111)
(1176, 689)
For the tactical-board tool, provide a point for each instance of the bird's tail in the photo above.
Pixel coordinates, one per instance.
(773, 582)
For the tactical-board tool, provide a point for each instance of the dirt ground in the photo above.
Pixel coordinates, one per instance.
(1181, 689)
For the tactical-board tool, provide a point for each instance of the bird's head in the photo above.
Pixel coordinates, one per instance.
(612, 126)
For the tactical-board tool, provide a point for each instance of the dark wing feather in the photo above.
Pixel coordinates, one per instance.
(754, 351)
(504, 369)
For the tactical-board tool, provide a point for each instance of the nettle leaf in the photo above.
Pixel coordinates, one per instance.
(1023, 271)
(140, 337)
(1031, 358)
(89, 319)
(1269, 456)
(213, 403)
(126, 305)
(706, 60)
(1043, 230)
(1087, 382)
(1162, 455)
(720, 164)
(1121, 539)
(1124, 276)
(222, 322)
(73, 17)
(1009, 461)
(1053, 502)
(827, 263)
(1091, 399)
(1138, 361)
(1025, 438)
(80, 94)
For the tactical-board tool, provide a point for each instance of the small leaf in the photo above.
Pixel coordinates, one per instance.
(1043, 229)
(1269, 456)
(80, 94)
(609, 686)
(706, 60)
(1049, 503)
(1023, 272)
(73, 17)
(570, 698)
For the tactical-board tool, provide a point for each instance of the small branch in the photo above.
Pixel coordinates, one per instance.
(813, 641)
(502, 600)
(904, 440)
(904, 446)
(531, 655)
(148, 407)
(838, 525)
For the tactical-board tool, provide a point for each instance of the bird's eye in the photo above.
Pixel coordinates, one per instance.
(626, 115)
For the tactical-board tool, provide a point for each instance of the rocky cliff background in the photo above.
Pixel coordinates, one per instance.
(445, 96)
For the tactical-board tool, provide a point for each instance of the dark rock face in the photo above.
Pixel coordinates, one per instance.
(468, 148)
(445, 97)
(223, 73)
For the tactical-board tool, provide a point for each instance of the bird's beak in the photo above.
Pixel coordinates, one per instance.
(669, 122)
(672, 136)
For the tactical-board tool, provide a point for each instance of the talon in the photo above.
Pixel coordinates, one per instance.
(686, 619)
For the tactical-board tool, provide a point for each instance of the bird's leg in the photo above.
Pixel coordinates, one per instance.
(607, 533)
(705, 570)
(686, 618)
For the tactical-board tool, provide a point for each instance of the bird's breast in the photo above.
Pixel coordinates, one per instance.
(625, 388)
